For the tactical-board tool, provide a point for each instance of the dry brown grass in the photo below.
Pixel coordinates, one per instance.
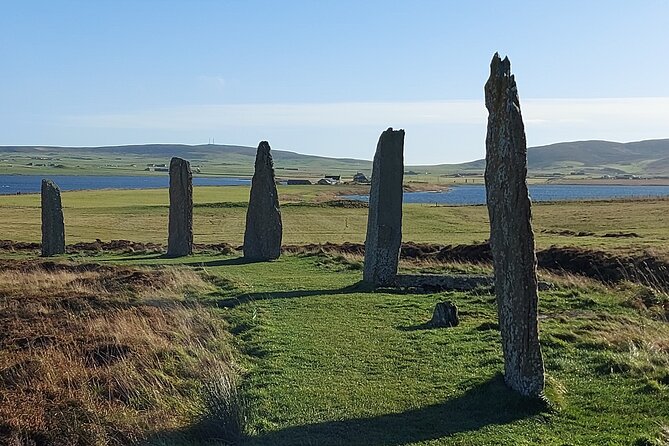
(636, 346)
(663, 440)
(92, 354)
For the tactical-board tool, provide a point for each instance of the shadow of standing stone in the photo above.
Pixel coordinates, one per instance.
(262, 237)
(384, 222)
(434, 282)
(511, 236)
(53, 227)
(180, 227)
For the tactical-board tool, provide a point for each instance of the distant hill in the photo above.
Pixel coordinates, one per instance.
(649, 157)
(203, 151)
(598, 154)
(211, 159)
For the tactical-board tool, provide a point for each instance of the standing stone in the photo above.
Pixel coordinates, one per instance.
(180, 229)
(384, 221)
(445, 314)
(262, 238)
(53, 228)
(511, 236)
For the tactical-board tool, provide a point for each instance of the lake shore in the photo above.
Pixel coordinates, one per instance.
(611, 182)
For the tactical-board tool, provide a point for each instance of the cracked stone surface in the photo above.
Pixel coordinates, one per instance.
(511, 235)
(264, 229)
(180, 227)
(53, 227)
(384, 222)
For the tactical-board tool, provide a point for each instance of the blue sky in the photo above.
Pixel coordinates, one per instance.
(326, 77)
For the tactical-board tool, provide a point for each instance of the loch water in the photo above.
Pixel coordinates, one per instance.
(475, 193)
(455, 195)
(13, 184)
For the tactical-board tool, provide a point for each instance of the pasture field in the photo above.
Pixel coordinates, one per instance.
(317, 357)
(311, 214)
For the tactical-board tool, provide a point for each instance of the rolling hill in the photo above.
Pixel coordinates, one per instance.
(634, 157)
(208, 159)
(650, 157)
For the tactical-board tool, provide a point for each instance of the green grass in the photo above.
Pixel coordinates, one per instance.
(331, 363)
(219, 216)
(328, 362)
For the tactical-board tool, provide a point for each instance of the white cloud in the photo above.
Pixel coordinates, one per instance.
(308, 114)
(597, 111)
(535, 111)
(437, 131)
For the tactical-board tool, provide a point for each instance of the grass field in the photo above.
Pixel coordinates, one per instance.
(334, 365)
(325, 361)
(219, 216)
(330, 363)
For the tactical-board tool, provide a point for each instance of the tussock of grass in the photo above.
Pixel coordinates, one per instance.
(648, 300)
(636, 349)
(225, 414)
(96, 355)
(339, 262)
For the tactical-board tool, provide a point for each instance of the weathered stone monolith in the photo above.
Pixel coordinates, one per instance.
(445, 314)
(262, 238)
(384, 221)
(511, 236)
(180, 226)
(53, 228)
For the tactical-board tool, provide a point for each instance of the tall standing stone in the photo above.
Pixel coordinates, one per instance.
(384, 221)
(511, 236)
(262, 238)
(53, 227)
(180, 227)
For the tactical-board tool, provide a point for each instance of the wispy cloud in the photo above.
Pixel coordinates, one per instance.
(437, 131)
(540, 112)
(307, 114)
(597, 111)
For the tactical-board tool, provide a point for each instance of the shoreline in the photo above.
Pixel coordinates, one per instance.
(610, 182)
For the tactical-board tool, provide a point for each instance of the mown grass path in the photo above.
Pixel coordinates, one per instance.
(331, 364)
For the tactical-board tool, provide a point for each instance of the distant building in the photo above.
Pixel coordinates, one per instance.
(297, 182)
(328, 181)
(332, 179)
(360, 178)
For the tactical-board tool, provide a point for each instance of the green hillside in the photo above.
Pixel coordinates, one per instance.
(592, 158)
(634, 157)
(207, 159)
(647, 158)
